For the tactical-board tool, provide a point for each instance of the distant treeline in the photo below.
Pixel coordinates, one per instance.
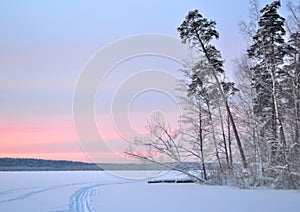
(28, 164)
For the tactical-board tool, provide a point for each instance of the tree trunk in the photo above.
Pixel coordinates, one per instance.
(244, 161)
(201, 144)
(229, 141)
(278, 127)
(214, 136)
(224, 137)
(296, 88)
(235, 131)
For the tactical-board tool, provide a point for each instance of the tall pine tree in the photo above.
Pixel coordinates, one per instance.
(198, 31)
(293, 87)
(268, 51)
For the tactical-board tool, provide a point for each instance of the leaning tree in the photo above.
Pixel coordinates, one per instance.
(198, 31)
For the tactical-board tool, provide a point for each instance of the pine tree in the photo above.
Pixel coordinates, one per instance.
(199, 32)
(293, 70)
(268, 50)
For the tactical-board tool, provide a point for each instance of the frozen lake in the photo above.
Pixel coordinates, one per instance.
(100, 191)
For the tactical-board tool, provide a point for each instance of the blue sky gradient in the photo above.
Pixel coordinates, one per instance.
(45, 44)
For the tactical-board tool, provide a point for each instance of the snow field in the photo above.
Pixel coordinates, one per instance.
(100, 191)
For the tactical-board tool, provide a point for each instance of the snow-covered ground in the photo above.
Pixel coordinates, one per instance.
(100, 191)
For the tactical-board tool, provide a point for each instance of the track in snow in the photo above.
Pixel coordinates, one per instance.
(37, 190)
(80, 201)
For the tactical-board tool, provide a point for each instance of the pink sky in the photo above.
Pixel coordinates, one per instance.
(40, 140)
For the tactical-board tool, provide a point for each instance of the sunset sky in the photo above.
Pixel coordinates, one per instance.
(44, 45)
